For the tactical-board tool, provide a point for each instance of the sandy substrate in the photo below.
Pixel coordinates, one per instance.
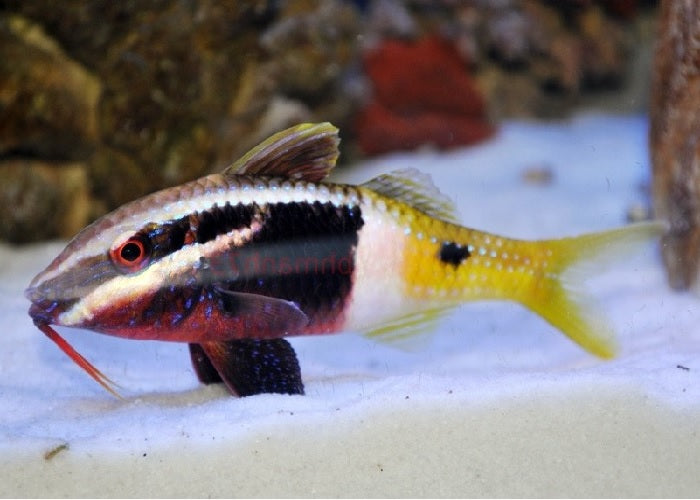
(494, 403)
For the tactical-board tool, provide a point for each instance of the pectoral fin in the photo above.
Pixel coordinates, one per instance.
(261, 315)
(249, 366)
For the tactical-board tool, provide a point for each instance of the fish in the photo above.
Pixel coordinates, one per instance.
(236, 262)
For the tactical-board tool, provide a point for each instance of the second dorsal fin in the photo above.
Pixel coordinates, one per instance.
(414, 188)
(307, 151)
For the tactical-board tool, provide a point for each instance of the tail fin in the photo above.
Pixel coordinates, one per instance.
(558, 297)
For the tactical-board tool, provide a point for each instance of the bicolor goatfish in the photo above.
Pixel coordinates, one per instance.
(233, 263)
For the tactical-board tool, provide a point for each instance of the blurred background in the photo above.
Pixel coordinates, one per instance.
(104, 101)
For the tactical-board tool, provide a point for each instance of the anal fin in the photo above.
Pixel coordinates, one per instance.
(251, 366)
(409, 332)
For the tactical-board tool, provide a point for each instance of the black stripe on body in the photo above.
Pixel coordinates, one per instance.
(304, 252)
(220, 220)
(452, 253)
(165, 238)
(169, 237)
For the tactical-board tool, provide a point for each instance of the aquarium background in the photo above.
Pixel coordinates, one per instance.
(532, 115)
(105, 101)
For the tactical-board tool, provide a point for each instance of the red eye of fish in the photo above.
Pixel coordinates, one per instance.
(131, 255)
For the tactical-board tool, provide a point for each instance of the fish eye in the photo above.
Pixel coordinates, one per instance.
(131, 254)
(131, 251)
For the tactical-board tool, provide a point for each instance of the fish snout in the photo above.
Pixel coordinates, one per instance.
(35, 293)
(46, 307)
(44, 313)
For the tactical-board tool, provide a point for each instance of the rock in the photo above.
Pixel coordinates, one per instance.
(311, 50)
(48, 101)
(675, 138)
(311, 44)
(604, 49)
(508, 37)
(115, 178)
(150, 94)
(542, 58)
(48, 200)
(390, 19)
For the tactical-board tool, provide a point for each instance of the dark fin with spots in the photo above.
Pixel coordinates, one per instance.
(267, 316)
(206, 373)
(250, 366)
(307, 151)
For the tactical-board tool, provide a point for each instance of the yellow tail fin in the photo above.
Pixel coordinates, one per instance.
(558, 297)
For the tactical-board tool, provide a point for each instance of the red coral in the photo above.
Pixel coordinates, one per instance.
(381, 130)
(422, 95)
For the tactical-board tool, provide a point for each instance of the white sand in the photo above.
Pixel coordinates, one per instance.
(495, 403)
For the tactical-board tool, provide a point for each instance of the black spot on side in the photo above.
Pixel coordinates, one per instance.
(452, 253)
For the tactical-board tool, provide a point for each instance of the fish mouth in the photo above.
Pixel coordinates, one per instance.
(44, 311)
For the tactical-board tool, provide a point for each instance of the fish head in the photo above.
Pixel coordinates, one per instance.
(64, 293)
(92, 259)
(106, 266)
(162, 267)
(137, 271)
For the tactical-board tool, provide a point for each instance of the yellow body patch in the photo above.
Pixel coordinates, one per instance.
(444, 264)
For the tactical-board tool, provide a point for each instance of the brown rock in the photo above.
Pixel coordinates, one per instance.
(605, 49)
(115, 178)
(48, 200)
(675, 138)
(48, 101)
(150, 94)
(311, 44)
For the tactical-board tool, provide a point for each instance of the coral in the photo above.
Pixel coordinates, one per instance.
(422, 95)
(381, 130)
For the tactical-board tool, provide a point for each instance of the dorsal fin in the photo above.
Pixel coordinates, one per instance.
(416, 189)
(307, 151)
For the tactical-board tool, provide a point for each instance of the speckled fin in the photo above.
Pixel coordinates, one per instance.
(249, 366)
(307, 151)
(416, 189)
